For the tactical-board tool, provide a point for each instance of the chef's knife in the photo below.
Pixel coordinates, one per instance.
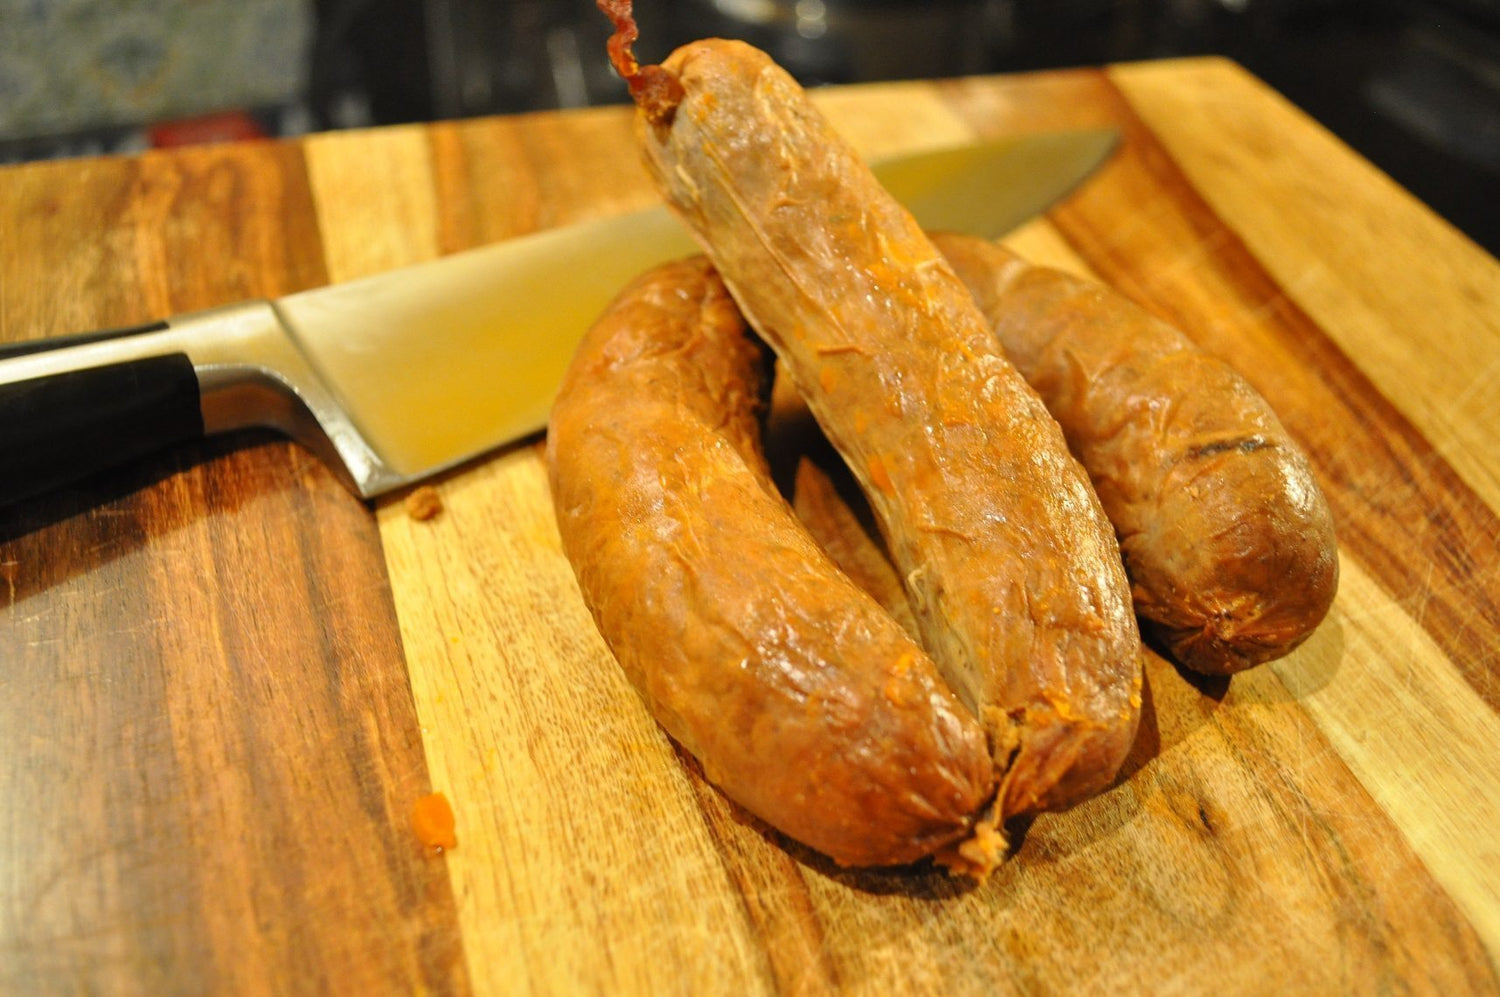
(397, 376)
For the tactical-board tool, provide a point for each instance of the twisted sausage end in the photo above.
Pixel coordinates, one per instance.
(656, 91)
(979, 854)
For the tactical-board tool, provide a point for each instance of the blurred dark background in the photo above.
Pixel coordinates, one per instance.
(1414, 85)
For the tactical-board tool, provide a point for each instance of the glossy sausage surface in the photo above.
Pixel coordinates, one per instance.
(801, 698)
(1011, 567)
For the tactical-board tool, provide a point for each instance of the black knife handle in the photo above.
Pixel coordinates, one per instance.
(63, 427)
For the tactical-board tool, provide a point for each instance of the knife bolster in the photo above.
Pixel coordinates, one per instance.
(253, 372)
(75, 405)
(238, 397)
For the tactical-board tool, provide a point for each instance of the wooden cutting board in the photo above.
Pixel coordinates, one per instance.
(225, 681)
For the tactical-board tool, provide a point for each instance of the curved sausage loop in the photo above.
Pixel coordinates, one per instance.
(803, 700)
(1009, 562)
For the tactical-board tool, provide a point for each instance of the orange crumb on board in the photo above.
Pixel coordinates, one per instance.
(432, 819)
(424, 503)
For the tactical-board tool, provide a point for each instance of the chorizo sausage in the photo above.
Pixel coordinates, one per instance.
(1228, 541)
(838, 529)
(1011, 568)
(802, 699)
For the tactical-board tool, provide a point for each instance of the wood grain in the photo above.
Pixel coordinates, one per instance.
(1192, 268)
(207, 740)
(224, 681)
(1200, 826)
(1238, 803)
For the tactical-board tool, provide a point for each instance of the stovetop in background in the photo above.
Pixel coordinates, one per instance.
(1413, 85)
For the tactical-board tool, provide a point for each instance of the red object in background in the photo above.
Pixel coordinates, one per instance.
(226, 126)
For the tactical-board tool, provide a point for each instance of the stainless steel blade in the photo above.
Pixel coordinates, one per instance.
(441, 361)
(990, 188)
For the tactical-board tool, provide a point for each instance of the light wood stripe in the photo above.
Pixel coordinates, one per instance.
(1362, 257)
(376, 199)
(1416, 735)
(577, 827)
(886, 118)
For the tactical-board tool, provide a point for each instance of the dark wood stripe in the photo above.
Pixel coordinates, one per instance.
(1399, 507)
(207, 735)
(87, 762)
(495, 176)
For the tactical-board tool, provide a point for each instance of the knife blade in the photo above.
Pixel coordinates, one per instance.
(397, 376)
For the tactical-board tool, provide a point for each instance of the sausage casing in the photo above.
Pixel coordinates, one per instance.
(1226, 536)
(802, 699)
(1011, 567)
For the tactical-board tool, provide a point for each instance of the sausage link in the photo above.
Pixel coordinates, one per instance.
(803, 700)
(1228, 541)
(837, 529)
(1011, 567)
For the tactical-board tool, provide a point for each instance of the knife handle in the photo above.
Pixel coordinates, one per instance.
(73, 405)
(65, 426)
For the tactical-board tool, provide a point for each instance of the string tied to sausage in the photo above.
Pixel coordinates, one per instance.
(656, 91)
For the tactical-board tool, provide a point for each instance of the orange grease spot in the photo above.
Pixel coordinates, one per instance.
(879, 476)
(432, 820)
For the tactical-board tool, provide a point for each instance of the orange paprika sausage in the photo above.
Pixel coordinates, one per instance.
(1227, 539)
(802, 699)
(1010, 565)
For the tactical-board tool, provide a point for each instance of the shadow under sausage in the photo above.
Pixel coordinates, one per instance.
(755, 854)
(1191, 700)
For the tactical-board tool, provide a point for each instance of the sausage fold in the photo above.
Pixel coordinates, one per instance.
(1011, 567)
(1227, 539)
(802, 699)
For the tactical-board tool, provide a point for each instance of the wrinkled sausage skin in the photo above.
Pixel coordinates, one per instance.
(1226, 536)
(802, 699)
(1010, 565)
